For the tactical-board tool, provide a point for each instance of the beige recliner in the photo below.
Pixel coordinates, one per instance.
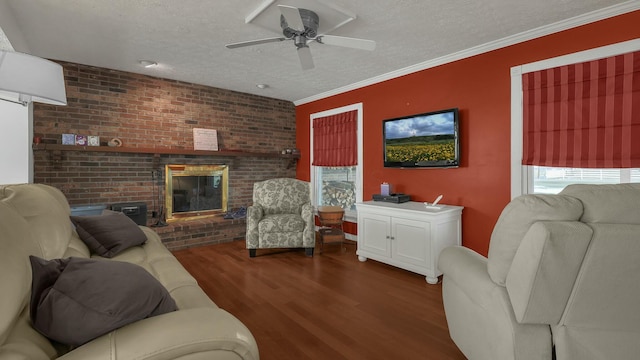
(562, 276)
(281, 216)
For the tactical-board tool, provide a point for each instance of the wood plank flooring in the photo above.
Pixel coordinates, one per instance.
(330, 306)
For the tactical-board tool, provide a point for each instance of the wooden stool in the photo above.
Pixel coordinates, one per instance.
(331, 225)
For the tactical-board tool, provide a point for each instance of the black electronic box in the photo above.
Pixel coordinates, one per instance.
(392, 198)
(136, 211)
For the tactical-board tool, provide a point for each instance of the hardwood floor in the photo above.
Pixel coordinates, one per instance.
(330, 306)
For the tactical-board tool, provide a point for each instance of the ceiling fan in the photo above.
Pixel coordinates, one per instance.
(301, 26)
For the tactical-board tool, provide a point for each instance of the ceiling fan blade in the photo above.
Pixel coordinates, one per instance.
(292, 16)
(306, 60)
(361, 44)
(254, 42)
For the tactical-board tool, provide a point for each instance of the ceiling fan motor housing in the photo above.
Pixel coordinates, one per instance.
(310, 20)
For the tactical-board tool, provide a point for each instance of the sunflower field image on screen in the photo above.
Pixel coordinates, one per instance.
(422, 140)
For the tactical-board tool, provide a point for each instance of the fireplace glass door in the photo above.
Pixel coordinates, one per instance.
(195, 191)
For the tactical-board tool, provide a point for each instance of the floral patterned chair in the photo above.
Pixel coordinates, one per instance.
(281, 216)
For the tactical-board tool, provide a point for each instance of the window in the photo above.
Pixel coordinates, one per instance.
(338, 185)
(551, 180)
(530, 179)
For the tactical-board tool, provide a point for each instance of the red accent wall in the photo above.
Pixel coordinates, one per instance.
(480, 87)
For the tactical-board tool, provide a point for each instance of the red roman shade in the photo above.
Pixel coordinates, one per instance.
(584, 115)
(335, 141)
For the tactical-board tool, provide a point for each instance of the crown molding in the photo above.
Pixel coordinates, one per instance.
(567, 24)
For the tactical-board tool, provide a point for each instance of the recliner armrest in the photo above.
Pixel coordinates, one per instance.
(190, 332)
(468, 270)
(479, 314)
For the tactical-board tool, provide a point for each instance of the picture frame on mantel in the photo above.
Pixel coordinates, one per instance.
(205, 139)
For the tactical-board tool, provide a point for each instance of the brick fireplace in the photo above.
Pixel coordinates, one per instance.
(154, 118)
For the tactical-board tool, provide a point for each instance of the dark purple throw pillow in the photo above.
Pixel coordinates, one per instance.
(75, 300)
(109, 234)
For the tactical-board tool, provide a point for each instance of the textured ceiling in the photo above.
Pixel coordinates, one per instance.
(187, 37)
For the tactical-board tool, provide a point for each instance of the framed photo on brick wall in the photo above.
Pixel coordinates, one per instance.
(205, 139)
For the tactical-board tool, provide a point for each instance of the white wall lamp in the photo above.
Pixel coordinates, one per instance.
(31, 78)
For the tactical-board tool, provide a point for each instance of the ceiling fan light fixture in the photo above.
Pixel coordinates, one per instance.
(301, 22)
(300, 41)
(301, 26)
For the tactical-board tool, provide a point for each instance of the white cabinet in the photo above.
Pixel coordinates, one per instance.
(408, 235)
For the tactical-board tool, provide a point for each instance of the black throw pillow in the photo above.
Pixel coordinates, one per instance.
(75, 300)
(109, 234)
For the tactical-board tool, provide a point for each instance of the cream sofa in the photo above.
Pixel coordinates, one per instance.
(34, 220)
(562, 276)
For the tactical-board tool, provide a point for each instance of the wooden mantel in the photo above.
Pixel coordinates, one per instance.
(57, 148)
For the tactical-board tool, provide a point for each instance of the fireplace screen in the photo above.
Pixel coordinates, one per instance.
(194, 191)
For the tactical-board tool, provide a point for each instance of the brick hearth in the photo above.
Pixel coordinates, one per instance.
(216, 230)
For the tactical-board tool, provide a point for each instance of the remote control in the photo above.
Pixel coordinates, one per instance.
(437, 200)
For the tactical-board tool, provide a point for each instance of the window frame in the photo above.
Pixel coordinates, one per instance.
(349, 215)
(522, 175)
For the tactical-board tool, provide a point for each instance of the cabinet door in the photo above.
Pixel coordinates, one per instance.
(375, 235)
(410, 241)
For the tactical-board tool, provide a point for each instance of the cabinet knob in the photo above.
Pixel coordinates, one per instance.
(388, 237)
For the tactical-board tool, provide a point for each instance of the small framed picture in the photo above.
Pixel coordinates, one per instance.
(68, 139)
(81, 140)
(205, 139)
(93, 140)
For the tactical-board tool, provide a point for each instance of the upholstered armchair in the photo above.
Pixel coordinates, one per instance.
(281, 216)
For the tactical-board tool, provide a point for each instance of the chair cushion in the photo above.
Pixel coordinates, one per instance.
(281, 223)
(75, 300)
(108, 234)
(516, 219)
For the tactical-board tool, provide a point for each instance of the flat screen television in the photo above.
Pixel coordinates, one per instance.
(428, 140)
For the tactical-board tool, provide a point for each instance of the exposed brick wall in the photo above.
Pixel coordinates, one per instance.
(148, 112)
